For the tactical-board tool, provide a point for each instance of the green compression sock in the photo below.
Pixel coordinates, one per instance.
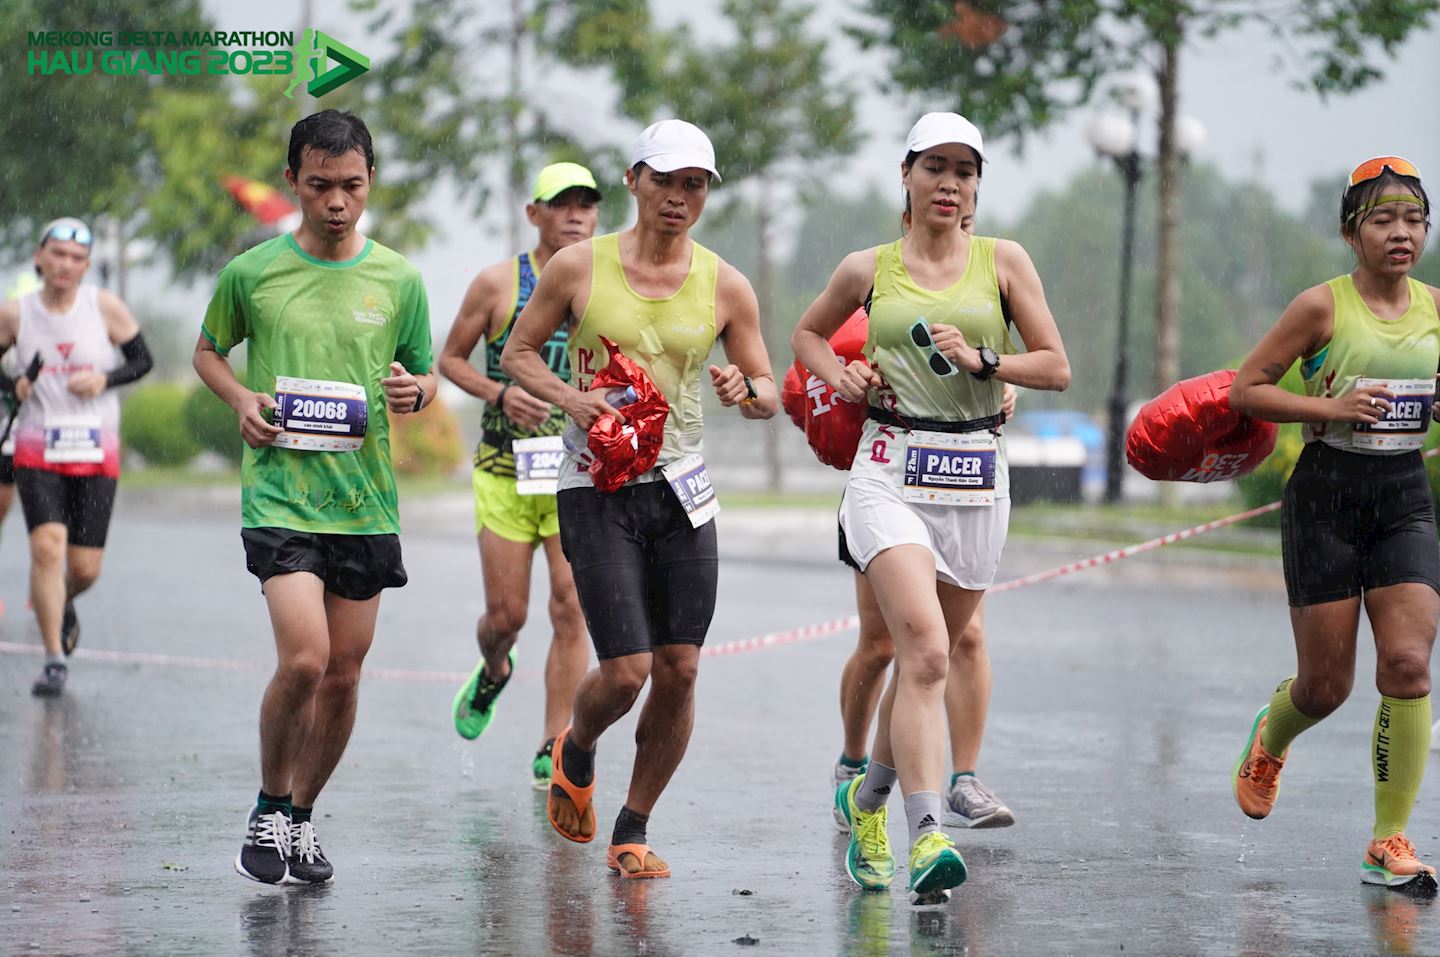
(1284, 722)
(1399, 751)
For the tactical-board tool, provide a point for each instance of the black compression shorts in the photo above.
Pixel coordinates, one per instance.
(644, 576)
(82, 503)
(1351, 522)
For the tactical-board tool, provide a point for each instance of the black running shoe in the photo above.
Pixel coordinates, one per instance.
(51, 682)
(69, 629)
(267, 844)
(307, 863)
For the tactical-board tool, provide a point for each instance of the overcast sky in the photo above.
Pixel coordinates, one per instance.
(1247, 108)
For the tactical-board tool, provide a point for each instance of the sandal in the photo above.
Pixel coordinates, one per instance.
(641, 852)
(561, 787)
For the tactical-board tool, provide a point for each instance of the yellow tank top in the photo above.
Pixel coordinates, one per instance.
(670, 338)
(972, 305)
(1363, 344)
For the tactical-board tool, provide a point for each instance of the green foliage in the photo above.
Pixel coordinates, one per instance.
(213, 424)
(152, 424)
(427, 442)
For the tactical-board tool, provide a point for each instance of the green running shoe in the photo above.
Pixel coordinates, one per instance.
(543, 766)
(868, 859)
(935, 867)
(475, 703)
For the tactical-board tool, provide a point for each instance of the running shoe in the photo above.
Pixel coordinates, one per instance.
(843, 774)
(1256, 781)
(972, 804)
(475, 703)
(935, 867)
(542, 766)
(69, 629)
(267, 845)
(1391, 862)
(51, 683)
(306, 862)
(868, 859)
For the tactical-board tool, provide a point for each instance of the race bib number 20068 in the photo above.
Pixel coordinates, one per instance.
(320, 416)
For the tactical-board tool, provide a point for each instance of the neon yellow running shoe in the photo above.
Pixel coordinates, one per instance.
(474, 706)
(868, 860)
(935, 867)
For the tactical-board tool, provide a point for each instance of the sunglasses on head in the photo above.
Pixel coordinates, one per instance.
(920, 335)
(1372, 168)
(68, 233)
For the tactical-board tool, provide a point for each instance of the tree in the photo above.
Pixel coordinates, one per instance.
(1016, 68)
(774, 116)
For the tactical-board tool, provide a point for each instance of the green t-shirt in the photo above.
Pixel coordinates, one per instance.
(338, 321)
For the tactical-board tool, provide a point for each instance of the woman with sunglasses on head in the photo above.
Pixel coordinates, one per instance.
(927, 503)
(1358, 524)
(67, 430)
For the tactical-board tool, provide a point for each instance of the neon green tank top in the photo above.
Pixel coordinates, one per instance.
(1363, 344)
(972, 305)
(670, 338)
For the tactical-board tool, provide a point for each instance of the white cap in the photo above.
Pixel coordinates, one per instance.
(674, 144)
(932, 129)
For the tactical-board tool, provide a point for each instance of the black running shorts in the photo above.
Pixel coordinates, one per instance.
(645, 577)
(356, 567)
(82, 503)
(7, 470)
(1351, 522)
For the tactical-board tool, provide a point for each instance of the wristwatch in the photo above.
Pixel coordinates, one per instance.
(989, 364)
(419, 398)
(750, 394)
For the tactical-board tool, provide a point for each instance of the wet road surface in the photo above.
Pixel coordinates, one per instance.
(1120, 703)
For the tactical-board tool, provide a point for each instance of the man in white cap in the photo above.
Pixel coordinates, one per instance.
(74, 344)
(644, 555)
(515, 514)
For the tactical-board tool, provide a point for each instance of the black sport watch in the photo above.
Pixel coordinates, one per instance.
(989, 364)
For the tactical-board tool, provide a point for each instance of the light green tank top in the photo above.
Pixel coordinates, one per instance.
(1363, 344)
(972, 305)
(670, 338)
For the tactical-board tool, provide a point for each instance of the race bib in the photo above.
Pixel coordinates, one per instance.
(1405, 425)
(73, 438)
(537, 464)
(320, 416)
(950, 468)
(690, 481)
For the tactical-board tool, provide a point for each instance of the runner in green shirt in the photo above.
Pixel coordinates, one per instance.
(338, 332)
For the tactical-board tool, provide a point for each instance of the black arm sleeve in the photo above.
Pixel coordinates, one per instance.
(7, 384)
(137, 363)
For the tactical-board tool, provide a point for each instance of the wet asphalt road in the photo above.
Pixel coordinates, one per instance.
(1121, 699)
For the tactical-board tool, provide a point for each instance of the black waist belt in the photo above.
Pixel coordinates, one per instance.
(886, 417)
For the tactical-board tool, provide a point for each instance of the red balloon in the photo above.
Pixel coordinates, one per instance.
(831, 426)
(1189, 433)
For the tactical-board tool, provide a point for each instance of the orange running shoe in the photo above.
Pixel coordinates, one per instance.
(1256, 781)
(1391, 862)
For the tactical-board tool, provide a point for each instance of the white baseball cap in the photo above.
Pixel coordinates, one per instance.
(674, 144)
(932, 129)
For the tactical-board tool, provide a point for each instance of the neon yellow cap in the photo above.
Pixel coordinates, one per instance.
(558, 177)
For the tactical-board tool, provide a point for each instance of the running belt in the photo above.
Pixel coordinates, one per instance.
(886, 417)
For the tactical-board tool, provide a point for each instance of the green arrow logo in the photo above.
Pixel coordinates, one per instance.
(314, 50)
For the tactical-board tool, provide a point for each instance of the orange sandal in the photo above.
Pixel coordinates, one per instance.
(561, 787)
(640, 852)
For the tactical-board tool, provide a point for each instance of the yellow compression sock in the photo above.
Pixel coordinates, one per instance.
(1399, 750)
(1284, 722)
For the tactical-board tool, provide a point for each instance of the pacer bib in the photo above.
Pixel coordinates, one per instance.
(1405, 425)
(691, 484)
(320, 416)
(537, 464)
(73, 438)
(950, 468)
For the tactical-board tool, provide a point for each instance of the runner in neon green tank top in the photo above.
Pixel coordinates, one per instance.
(938, 355)
(564, 208)
(644, 565)
(338, 335)
(1358, 520)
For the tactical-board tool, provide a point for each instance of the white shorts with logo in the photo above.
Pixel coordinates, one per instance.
(967, 541)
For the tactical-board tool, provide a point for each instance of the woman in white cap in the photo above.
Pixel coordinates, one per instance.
(644, 555)
(927, 505)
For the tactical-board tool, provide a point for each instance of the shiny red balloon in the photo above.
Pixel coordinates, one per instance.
(1189, 433)
(629, 449)
(832, 427)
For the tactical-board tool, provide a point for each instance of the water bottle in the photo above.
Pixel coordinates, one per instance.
(577, 440)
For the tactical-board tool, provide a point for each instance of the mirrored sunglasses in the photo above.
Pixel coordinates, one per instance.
(1372, 168)
(68, 233)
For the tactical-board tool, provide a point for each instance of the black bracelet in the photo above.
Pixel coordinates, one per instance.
(419, 397)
